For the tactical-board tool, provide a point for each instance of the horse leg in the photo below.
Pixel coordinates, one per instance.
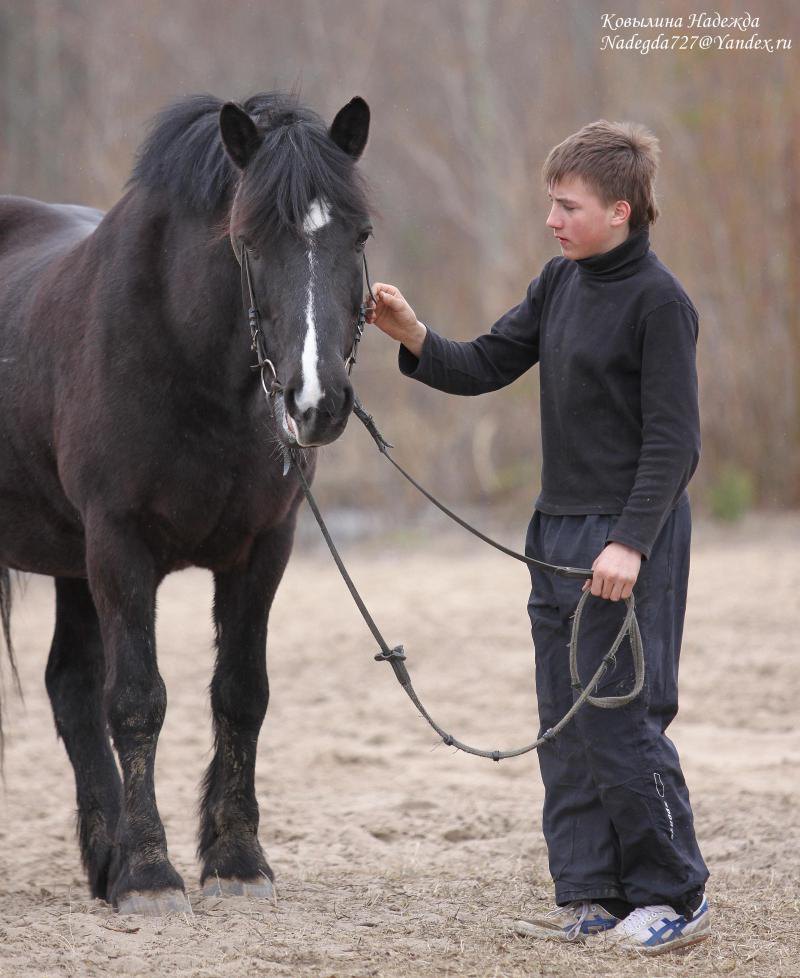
(123, 580)
(74, 677)
(232, 859)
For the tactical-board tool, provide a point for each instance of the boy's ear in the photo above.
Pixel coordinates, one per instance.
(239, 134)
(622, 212)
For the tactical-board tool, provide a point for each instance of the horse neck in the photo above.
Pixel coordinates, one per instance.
(201, 292)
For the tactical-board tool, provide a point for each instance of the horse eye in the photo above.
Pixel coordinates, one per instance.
(362, 239)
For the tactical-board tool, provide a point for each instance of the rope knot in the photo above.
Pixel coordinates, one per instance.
(386, 655)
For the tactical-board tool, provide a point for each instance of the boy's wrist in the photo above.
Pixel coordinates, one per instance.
(416, 338)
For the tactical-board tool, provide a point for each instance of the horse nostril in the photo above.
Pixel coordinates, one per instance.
(289, 400)
(339, 402)
(299, 413)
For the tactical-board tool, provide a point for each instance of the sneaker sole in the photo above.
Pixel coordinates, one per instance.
(677, 945)
(606, 943)
(524, 928)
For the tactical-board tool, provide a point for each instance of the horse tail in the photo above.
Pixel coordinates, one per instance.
(5, 624)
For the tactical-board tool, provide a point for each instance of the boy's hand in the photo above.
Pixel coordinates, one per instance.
(614, 572)
(395, 317)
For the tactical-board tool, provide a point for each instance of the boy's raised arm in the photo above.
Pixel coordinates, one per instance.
(474, 367)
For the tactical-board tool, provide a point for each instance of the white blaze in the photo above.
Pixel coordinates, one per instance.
(311, 393)
(318, 216)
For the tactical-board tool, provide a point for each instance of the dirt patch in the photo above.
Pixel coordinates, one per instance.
(394, 856)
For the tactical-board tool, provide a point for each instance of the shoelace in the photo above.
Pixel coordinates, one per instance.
(639, 918)
(581, 910)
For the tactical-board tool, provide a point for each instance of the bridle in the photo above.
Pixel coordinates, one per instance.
(258, 339)
(396, 655)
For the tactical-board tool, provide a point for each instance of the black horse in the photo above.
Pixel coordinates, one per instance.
(135, 440)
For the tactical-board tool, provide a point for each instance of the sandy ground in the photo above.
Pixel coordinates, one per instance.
(394, 856)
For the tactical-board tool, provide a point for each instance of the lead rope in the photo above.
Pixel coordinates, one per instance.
(383, 447)
(396, 656)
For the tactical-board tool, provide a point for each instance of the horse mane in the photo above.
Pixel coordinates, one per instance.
(296, 162)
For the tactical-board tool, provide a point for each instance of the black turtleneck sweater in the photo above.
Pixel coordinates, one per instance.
(615, 337)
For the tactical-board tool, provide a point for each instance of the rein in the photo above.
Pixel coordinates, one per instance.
(396, 655)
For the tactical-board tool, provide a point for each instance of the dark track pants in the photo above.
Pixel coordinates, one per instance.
(617, 819)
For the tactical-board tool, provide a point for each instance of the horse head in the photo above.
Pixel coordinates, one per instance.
(300, 212)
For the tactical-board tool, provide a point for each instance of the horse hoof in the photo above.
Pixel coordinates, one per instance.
(257, 889)
(154, 903)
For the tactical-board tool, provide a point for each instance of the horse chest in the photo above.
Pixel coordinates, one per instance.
(212, 517)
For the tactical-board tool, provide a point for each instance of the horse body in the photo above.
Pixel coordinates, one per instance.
(116, 430)
(39, 246)
(135, 440)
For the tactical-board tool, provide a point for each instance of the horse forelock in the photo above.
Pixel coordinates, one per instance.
(297, 168)
(296, 164)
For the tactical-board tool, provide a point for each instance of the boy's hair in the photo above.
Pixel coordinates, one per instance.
(616, 160)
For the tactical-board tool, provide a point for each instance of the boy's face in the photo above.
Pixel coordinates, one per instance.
(583, 224)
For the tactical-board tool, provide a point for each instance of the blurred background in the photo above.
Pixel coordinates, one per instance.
(467, 97)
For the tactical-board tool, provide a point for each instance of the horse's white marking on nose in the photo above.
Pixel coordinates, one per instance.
(311, 392)
(319, 213)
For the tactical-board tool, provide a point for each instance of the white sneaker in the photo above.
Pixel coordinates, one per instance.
(574, 922)
(654, 930)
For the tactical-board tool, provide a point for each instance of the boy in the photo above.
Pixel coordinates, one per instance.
(615, 337)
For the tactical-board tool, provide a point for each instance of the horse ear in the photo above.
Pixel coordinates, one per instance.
(239, 134)
(350, 128)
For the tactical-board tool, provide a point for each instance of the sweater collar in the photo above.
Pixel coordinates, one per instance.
(621, 261)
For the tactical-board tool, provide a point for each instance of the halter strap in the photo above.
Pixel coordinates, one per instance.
(257, 336)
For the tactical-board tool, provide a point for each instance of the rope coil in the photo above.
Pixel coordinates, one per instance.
(396, 656)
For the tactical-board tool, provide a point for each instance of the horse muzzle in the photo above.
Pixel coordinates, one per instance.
(309, 424)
